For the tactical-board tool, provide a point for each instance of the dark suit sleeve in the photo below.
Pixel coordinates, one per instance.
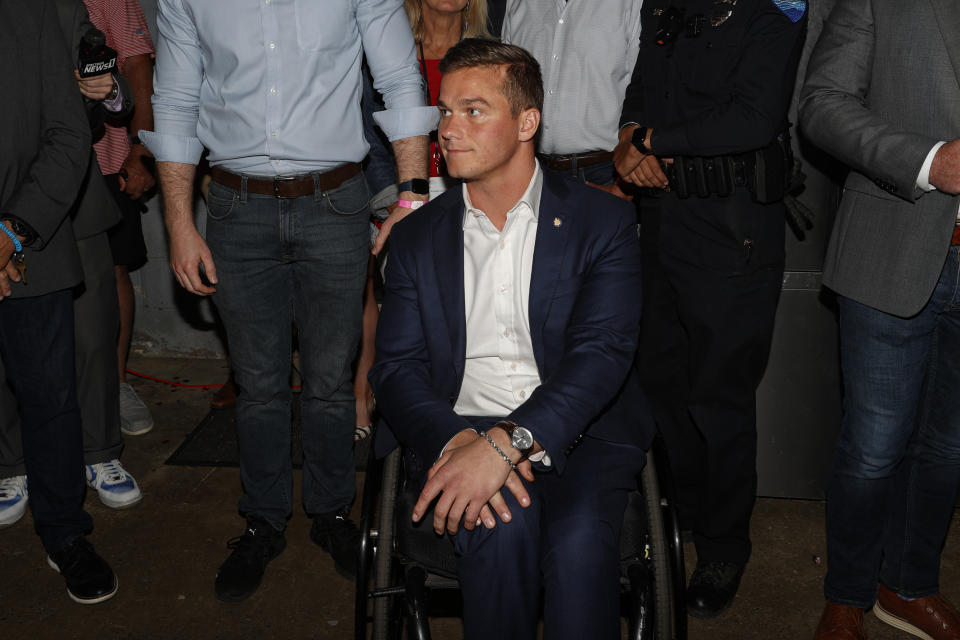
(600, 342)
(44, 198)
(419, 416)
(834, 108)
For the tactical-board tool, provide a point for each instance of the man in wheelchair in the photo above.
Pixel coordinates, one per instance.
(504, 351)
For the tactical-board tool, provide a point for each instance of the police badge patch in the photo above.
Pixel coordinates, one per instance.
(793, 9)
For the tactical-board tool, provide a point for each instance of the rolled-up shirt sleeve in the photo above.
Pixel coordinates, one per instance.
(176, 87)
(388, 45)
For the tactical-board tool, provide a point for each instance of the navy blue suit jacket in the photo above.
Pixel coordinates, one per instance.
(584, 321)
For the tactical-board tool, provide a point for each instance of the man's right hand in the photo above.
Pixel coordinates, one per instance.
(95, 87)
(945, 170)
(188, 251)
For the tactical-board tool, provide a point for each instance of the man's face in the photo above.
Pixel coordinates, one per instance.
(478, 134)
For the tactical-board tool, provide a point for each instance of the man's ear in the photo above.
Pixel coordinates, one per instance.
(529, 123)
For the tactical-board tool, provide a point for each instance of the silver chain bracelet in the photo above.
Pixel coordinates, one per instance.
(500, 451)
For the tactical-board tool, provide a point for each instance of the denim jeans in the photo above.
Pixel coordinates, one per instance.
(37, 346)
(285, 262)
(897, 466)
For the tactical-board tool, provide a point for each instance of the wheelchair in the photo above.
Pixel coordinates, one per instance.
(401, 566)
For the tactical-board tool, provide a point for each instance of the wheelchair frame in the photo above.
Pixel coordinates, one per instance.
(652, 570)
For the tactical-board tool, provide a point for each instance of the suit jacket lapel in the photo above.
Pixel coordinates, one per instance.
(448, 261)
(948, 19)
(547, 256)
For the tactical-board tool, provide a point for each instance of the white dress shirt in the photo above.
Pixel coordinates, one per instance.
(500, 372)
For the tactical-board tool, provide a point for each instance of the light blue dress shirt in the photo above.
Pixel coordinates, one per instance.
(272, 87)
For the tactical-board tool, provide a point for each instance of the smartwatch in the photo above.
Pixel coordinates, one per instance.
(520, 437)
(418, 186)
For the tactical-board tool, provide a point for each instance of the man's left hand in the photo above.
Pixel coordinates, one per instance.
(468, 477)
(138, 178)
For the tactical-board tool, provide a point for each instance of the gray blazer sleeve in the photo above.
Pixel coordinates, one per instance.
(835, 108)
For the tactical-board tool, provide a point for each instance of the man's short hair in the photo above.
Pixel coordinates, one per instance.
(522, 82)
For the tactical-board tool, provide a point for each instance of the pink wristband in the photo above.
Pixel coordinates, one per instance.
(411, 204)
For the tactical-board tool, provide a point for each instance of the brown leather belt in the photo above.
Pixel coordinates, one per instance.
(956, 234)
(566, 162)
(288, 186)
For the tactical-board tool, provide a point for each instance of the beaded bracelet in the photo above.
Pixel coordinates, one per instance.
(500, 451)
(17, 247)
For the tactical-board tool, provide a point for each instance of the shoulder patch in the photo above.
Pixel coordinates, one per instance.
(793, 9)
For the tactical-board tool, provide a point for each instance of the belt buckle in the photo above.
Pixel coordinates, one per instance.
(277, 181)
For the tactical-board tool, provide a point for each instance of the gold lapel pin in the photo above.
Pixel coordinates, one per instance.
(557, 222)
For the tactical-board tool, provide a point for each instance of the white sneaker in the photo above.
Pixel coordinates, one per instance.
(117, 488)
(135, 418)
(13, 499)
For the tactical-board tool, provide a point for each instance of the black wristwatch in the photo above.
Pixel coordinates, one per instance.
(638, 139)
(418, 186)
(22, 229)
(520, 437)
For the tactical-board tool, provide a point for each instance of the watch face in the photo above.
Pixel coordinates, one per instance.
(521, 439)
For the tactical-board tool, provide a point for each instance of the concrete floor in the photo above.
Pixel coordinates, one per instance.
(167, 549)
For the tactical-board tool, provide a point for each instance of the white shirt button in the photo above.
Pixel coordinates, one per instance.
(273, 45)
(523, 394)
(561, 20)
(273, 89)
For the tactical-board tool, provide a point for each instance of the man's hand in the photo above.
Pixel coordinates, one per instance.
(396, 215)
(945, 170)
(135, 179)
(9, 271)
(187, 252)
(95, 87)
(468, 478)
(648, 173)
(613, 189)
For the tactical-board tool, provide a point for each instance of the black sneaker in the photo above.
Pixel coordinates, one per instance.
(336, 534)
(712, 588)
(240, 574)
(89, 578)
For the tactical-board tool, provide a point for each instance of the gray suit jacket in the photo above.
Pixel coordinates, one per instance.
(882, 87)
(45, 142)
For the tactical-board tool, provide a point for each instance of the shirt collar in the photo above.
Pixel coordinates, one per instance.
(527, 206)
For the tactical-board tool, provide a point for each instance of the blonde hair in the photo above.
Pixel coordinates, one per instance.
(475, 15)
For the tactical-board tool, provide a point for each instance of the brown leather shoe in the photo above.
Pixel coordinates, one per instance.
(840, 622)
(930, 618)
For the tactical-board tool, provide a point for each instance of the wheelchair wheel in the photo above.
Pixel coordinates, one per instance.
(662, 589)
(383, 620)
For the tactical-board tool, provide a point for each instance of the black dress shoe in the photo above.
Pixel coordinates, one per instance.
(336, 534)
(89, 578)
(240, 575)
(712, 588)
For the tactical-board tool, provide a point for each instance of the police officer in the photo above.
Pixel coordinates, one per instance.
(703, 133)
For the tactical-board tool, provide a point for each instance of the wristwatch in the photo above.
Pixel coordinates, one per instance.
(639, 139)
(520, 437)
(22, 229)
(418, 186)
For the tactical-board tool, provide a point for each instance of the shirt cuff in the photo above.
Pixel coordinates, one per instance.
(167, 147)
(408, 122)
(923, 180)
(117, 103)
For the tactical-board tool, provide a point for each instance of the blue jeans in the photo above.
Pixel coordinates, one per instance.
(282, 262)
(897, 466)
